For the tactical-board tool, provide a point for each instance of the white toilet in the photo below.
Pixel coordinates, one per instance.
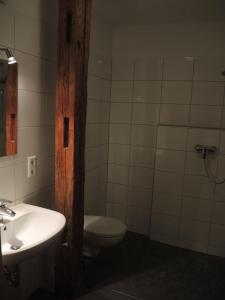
(101, 232)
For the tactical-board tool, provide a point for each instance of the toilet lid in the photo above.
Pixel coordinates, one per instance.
(103, 226)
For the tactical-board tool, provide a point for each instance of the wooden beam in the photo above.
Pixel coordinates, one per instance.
(71, 101)
(11, 110)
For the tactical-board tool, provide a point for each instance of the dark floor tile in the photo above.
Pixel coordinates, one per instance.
(150, 270)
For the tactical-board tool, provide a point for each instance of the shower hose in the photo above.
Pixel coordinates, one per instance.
(209, 173)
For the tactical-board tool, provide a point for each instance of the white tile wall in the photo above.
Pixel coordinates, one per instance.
(24, 27)
(167, 106)
(176, 92)
(146, 91)
(97, 134)
(178, 68)
(148, 69)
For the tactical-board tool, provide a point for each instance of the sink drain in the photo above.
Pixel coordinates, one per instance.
(14, 247)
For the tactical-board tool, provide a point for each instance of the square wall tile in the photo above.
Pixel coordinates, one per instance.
(106, 90)
(173, 114)
(178, 68)
(166, 204)
(142, 156)
(120, 113)
(170, 160)
(141, 177)
(176, 92)
(138, 219)
(119, 133)
(6, 27)
(31, 71)
(50, 109)
(93, 111)
(208, 93)
(92, 179)
(30, 35)
(117, 193)
(32, 109)
(217, 235)
(197, 209)
(195, 164)
(121, 91)
(122, 69)
(95, 87)
(203, 137)
(218, 216)
(7, 179)
(194, 231)
(194, 245)
(217, 251)
(206, 116)
(6, 161)
(51, 40)
(170, 183)
(145, 113)
(220, 193)
(147, 91)
(209, 68)
(104, 112)
(222, 143)
(118, 174)
(117, 211)
(198, 187)
(165, 239)
(148, 69)
(99, 65)
(140, 197)
(50, 80)
(221, 167)
(92, 158)
(223, 117)
(119, 154)
(165, 225)
(171, 138)
(143, 135)
(32, 141)
(96, 134)
(96, 156)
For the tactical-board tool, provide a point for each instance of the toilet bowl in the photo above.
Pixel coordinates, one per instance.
(101, 232)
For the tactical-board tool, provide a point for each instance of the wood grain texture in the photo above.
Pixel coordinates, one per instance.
(71, 101)
(11, 110)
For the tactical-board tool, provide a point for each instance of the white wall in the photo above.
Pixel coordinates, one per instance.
(167, 95)
(97, 127)
(169, 39)
(29, 29)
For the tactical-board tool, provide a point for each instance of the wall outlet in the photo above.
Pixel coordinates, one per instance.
(31, 166)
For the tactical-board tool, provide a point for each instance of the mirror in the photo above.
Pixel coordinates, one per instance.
(8, 108)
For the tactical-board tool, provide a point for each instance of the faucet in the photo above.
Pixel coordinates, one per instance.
(4, 210)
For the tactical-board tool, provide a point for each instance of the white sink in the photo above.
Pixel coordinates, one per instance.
(31, 230)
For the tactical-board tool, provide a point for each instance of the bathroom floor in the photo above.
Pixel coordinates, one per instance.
(142, 269)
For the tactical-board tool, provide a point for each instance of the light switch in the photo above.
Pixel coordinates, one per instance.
(31, 166)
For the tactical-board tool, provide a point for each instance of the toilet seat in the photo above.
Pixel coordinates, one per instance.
(103, 227)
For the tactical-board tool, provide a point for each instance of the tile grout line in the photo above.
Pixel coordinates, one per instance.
(180, 217)
(130, 140)
(155, 148)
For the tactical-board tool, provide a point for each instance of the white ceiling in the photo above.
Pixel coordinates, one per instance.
(145, 12)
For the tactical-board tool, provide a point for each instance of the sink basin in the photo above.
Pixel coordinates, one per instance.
(29, 232)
